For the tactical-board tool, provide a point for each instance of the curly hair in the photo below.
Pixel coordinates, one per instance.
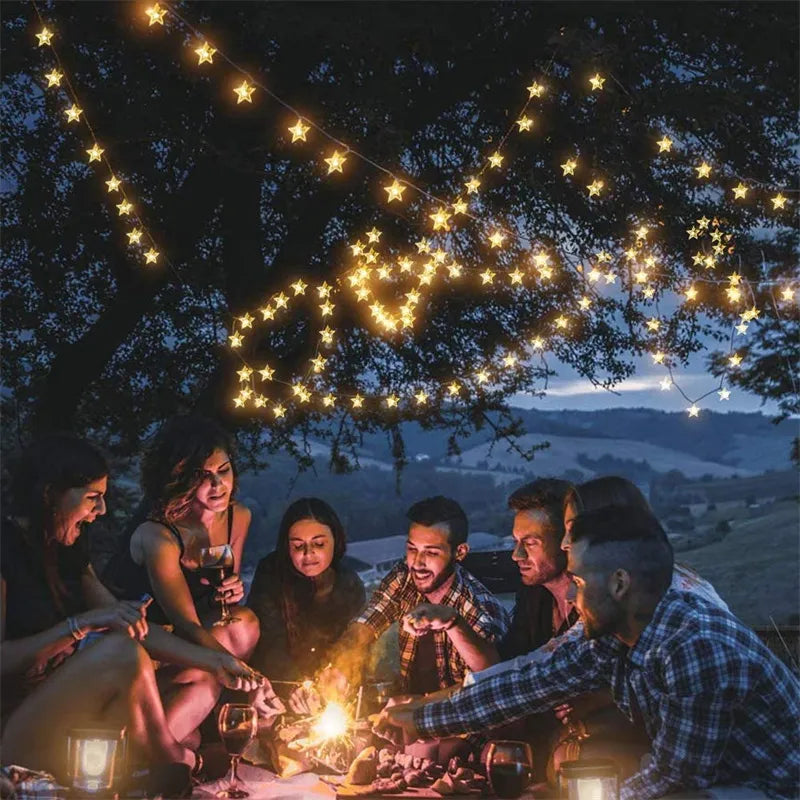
(172, 467)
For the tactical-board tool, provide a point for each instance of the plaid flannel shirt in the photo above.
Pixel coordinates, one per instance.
(718, 707)
(476, 605)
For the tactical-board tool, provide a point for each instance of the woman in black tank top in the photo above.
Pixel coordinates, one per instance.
(188, 481)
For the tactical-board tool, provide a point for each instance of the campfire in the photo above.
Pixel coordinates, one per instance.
(328, 739)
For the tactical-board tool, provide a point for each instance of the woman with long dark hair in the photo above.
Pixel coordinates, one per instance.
(51, 600)
(189, 480)
(302, 594)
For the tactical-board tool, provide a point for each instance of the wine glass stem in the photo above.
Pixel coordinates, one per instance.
(235, 781)
(225, 613)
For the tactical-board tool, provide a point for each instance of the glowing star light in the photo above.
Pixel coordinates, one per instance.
(329, 400)
(693, 410)
(244, 374)
(594, 188)
(299, 131)
(496, 239)
(124, 208)
(724, 394)
(246, 321)
(73, 113)
(113, 184)
(299, 287)
(421, 397)
(525, 123)
(535, 90)
(391, 401)
(205, 54)
(569, 166)
(54, 78)
(779, 201)
(244, 93)
(664, 144)
(134, 236)
(151, 256)
(665, 384)
(496, 160)
(266, 373)
(473, 183)
(326, 335)
(278, 410)
(703, 171)
(236, 339)
(95, 152)
(155, 14)
(335, 162)
(487, 277)
(357, 401)
(44, 37)
(318, 363)
(440, 220)
(740, 191)
(460, 206)
(597, 81)
(394, 190)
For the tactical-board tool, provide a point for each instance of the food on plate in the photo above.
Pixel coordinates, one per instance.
(392, 773)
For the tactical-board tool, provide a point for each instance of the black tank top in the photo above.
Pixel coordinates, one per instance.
(128, 580)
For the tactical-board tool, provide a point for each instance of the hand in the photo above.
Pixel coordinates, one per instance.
(127, 616)
(396, 725)
(305, 700)
(233, 673)
(563, 712)
(268, 705)
(429, 617)
(231, 590)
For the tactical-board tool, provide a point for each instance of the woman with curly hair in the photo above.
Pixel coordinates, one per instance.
(188, 480)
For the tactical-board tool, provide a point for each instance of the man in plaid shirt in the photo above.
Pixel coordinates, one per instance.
(449, 622)
(719, 708)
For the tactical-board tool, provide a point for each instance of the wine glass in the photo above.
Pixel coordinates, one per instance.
(217, 563)
(237, 724)
(509, 767)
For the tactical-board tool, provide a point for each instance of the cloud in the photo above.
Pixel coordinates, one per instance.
(644, 383)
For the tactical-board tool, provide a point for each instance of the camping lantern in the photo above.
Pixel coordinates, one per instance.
(595, 779)
(96, 759)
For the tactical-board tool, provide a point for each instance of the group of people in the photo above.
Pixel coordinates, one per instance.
(637, 655)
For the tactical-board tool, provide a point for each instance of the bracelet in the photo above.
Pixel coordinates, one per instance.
(75, 630)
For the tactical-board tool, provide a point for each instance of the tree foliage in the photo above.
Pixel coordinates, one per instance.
(96, 342)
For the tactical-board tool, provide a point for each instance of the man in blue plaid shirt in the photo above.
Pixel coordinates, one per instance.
(718, 707)
(449, 621)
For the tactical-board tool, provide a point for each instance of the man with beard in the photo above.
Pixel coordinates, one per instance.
(542, 609)
(449, 622)
(719, 708)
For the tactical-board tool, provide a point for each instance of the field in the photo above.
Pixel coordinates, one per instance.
(756, 567)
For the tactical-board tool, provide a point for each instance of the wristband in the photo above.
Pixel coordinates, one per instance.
(75, 629)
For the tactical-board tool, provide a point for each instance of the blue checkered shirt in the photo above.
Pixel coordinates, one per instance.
(718, 707)
(476, 605)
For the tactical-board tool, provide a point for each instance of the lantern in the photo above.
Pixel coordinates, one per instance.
(591, 779)
(96, 760)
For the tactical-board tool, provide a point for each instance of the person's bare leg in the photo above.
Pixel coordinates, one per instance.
(109, 684)
(190, 694)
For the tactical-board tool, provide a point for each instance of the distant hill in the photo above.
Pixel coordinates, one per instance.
(749, 442)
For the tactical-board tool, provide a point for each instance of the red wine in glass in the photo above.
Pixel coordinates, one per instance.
(509, 768)
(216, 564)
(237, 724)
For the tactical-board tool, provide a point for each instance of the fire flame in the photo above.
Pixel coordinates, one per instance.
(332, 723)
